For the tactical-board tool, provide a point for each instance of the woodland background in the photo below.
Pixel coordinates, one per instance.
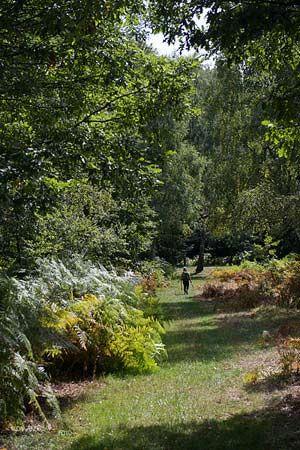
(115, 159)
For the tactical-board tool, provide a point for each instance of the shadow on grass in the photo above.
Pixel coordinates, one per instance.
(70, 393)
(215, 341)
(274, 382)
(270, 429)
(187, 308)
(206, 335)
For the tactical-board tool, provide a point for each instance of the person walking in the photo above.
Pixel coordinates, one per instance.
(186, 280)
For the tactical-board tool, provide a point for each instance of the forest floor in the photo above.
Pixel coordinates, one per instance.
(198, 399)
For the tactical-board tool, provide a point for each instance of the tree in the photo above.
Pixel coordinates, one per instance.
(263, 36)
(229, 133)
(230, 26)
(179, 202)
(79, 100)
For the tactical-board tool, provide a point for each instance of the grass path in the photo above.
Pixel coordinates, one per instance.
(197, 400)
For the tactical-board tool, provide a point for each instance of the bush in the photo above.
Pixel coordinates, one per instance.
(213, 290)
(289, 353)
(74, 320)
(240, 288)
(158, 267)
(236, 297)
(246, 296)
(89, 221)
(278, 283)
(20, 374)
(286, 279)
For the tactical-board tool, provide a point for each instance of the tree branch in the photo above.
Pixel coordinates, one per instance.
(111, 119)
(108, 104)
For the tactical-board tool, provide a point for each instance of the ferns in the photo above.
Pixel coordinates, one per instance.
(19, 374)
(139, 348)
(75, 320)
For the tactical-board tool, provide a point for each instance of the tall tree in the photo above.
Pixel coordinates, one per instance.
(264, 35)
(179, 202)
(79, 100)
(243, 168)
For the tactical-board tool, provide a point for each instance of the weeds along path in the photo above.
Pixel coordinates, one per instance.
(195, 401)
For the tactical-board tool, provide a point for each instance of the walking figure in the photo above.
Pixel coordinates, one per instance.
(185, 279)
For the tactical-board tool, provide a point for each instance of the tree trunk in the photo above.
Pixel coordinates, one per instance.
(200, 262)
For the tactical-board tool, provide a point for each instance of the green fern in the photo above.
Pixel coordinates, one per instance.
(19, 373)
(72, 319)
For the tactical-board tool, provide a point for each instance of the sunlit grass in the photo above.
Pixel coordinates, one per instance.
(197, 399)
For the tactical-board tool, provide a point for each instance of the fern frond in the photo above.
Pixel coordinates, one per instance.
(82, 337)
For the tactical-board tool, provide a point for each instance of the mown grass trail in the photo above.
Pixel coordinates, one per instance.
(197, 400)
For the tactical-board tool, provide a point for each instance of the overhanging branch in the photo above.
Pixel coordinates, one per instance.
(108, 104)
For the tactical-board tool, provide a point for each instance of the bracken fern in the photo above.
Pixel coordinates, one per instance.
(74, 320)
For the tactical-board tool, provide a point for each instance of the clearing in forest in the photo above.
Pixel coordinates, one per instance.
(198, 399)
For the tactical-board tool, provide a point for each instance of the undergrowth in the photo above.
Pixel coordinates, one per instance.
(198, 398)
(74, 321)
(252, 285)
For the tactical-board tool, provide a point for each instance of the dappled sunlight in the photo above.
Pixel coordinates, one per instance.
(198, 399)
(196, 333)
(149, 225)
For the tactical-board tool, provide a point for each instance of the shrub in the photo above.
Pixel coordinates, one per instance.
(289, 353)
(223, 275)
(86, 308)
(239, 288)
(156, 272)
(75, 320)
(19, 373)
(213, 290)
(92, 222)
(286, 278)
(99, 334)
(148, 303)
(246, 296)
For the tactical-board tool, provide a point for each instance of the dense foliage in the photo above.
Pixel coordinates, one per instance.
(250, 190)
(72, 321)
(249, 126)
(91, 116)
(81, 100)
(85, 113)
(133, 161)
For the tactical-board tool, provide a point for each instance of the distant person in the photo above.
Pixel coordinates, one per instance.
(185, 279)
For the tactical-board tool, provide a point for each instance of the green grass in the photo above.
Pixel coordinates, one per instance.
(197, 399)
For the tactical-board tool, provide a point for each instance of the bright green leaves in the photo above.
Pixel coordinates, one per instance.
(90, 222)
(179, 201)
(80, 100)
(261, 36)
(251, 180)
(285, 139)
